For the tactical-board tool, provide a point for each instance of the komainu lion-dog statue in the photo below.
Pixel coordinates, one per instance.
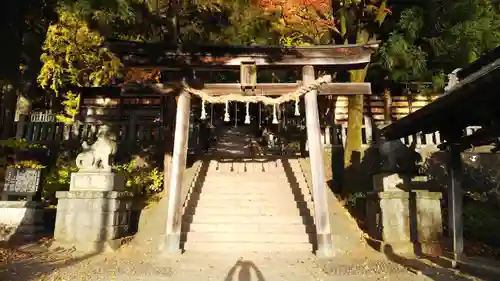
(96, 157)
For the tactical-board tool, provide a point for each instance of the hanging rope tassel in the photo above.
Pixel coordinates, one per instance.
(247, 116)
(297, 110)
(203, 111)
(226, 114)
(275, 118)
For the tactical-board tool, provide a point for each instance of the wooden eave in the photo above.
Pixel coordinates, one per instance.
(161, 56)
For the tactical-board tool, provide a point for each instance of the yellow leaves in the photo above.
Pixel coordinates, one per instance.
(295, 39)
(71, 105)
(380, 11)
(73, 56)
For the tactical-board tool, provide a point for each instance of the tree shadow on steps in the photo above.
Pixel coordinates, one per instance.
(245, 271)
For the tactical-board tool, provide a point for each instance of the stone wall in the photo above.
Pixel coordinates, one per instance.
(21, 220)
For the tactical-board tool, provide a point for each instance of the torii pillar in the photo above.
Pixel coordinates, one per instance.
(179, 155)
(321, 218)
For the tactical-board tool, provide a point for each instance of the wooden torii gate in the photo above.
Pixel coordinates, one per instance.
(231, 58)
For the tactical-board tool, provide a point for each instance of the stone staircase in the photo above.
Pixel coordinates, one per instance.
(249, 204)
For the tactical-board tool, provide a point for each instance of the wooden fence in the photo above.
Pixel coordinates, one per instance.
(48, 133)
(55, 132)
(336, 136)
(374, 106)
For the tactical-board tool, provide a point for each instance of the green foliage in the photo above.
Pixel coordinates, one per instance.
(403, 60)
(455, 33)
(58, 178)
(294, 39)
(141, 181)
(73, 55)
(19, 144)
(106, 11)
(227, 22)
(481, 222)
(463, 30)
(400, 57)
(27, 164)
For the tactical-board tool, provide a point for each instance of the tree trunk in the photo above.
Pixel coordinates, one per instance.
(387, 106)
(353, 148)
(352, 154)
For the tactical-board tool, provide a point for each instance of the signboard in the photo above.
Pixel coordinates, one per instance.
(21, 182)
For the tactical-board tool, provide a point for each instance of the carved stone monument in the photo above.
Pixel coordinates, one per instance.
(95, 212)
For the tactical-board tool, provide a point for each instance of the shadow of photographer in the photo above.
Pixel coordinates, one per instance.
(245, 271)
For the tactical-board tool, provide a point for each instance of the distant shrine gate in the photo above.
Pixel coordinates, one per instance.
(248, 60)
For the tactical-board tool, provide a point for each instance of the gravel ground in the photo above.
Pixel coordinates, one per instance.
(36, 262)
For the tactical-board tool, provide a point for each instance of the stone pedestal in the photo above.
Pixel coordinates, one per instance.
(95, 213)
(92, 220)
(96, 181)
(403, 221)
(20, 220)
(429, 222)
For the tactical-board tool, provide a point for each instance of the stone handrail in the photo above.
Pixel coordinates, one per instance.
(189, 183)
(306, 171)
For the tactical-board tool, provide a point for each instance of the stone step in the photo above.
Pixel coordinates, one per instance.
(254, 237)
(218, 219)
(242, 162)
(245, 170)
(246, 227)
(271, 177)
(224, 193)
(234, 247)
(227, 197)
(264, 211)
(268, 174)
(250, 185)
(247, 187)
(249, 180)
(243, 203)
(245, 182)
